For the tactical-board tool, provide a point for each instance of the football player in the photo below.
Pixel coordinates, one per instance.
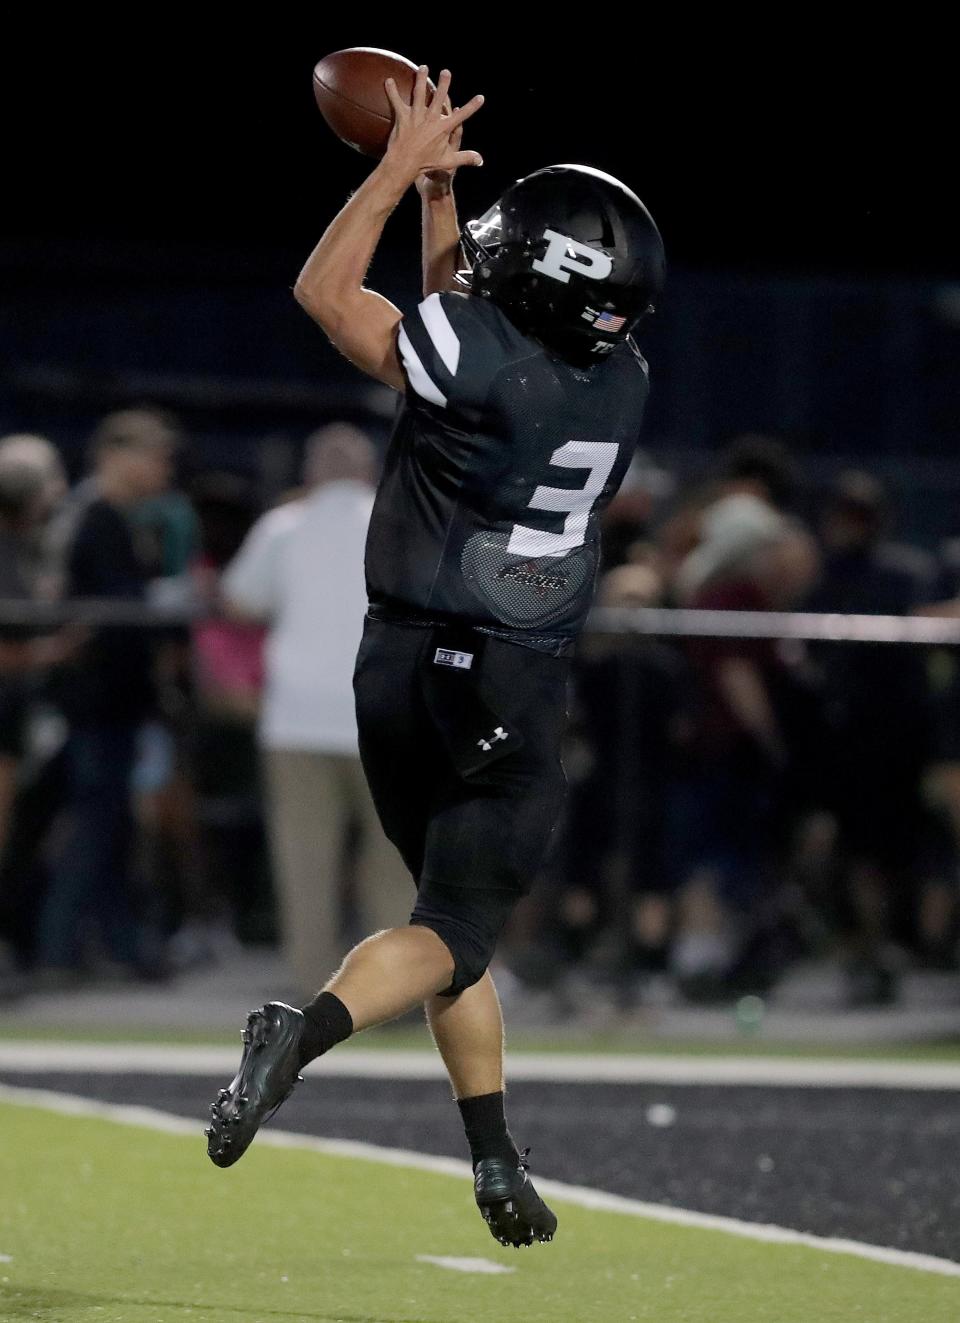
(523, 395)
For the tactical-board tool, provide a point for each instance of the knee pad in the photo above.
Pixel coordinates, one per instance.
(468, 921)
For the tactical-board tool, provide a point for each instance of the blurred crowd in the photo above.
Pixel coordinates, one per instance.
(172, 791)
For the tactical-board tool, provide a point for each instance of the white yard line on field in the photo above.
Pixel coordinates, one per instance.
(464, 1265)
(70, 1105)
(576, 1067)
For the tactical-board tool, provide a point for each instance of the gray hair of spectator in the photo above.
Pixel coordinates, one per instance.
(339, 452)
(30, 469)
(135, 429)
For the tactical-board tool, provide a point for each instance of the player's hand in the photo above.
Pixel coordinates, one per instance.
(432, 185)
(426, 138)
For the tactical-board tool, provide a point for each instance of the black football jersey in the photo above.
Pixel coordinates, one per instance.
(501, 463)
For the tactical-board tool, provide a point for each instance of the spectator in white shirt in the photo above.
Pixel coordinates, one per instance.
(301, 570)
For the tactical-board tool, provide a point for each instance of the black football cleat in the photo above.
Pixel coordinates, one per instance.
(509, 1203)
(269, 1070)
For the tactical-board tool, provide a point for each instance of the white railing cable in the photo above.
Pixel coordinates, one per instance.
(663, 622)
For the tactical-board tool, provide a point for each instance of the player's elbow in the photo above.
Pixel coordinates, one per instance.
(305, 294)
(319, 302)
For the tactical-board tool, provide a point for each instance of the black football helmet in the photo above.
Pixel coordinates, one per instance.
(571, 256)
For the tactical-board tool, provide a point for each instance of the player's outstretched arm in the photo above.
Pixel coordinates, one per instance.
(440, 228)
(361, 323)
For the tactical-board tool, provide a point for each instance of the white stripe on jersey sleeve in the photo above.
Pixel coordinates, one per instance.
(444, 337)
(417, 373)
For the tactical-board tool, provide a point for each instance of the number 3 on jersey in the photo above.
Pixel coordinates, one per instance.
(597, 456)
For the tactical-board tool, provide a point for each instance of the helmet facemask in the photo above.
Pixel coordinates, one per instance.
(480, 240)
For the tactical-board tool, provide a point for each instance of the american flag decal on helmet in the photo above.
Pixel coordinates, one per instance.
(607, 321)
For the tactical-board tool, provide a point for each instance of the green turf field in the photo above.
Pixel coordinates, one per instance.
(107, 1222)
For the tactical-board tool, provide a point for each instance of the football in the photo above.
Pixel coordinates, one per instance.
(348, 87)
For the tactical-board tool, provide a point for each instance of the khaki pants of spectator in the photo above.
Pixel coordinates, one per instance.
(312, 798)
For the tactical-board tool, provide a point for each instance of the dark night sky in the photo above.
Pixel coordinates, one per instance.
(747, 156)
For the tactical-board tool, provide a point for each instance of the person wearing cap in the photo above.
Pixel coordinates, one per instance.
(107, 695)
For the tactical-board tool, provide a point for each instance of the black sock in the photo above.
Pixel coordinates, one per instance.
(486, 1128)
(327, 1022)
